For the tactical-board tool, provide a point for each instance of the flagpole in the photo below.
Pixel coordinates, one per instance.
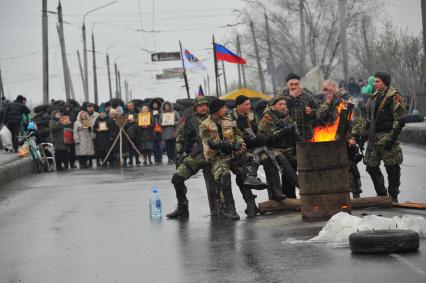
(184, 71)
(215, 69)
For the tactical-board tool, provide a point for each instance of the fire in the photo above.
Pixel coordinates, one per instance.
(328, 132)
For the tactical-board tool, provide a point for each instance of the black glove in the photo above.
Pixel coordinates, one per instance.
(261, 140)
(288, 130)
(236, 146)
(223, 146)
(388, 144)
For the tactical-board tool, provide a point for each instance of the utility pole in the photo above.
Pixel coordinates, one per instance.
(117, 94)
(423, 5)
(45, 38)
(119, 85)
(259, 65)
(343, 38)
(224, 78)
(60, 29)
(302, 37)
(271, 56)
(126, 91)
(109, 77)
(131, 94)
(81, 72)
(205, 86)
(243, 72)
(86, 74)
(95, 77)
(1, 87)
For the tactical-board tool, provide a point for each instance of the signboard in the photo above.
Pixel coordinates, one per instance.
(144, 119)
(168, 119)
(165, 56)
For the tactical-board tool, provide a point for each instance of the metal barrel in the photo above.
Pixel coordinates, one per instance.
(323, 179)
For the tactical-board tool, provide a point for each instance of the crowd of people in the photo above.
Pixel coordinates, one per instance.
(209, 136)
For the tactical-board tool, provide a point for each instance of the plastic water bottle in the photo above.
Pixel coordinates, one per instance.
(155, 210)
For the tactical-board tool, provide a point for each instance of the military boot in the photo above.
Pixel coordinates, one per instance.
(378, 180)
(275, 194)
(252, 181)
(228, 210)
(249, 198)
(394, 175)
(181, 212)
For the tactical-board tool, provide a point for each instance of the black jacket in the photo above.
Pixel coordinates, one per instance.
(14, 112)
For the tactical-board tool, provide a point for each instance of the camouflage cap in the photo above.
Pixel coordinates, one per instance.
(200, 100)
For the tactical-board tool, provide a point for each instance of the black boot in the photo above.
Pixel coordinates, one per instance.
(273, 180)
(378, 180)
(130, 160)
(228, 211)
(394, 176)
(181, 212)
(138, 161)
(252, 182)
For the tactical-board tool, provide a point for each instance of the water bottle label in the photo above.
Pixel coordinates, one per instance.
(158, 204)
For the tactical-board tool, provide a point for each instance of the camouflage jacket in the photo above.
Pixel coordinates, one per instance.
(388, 110)
(296, 107)
(269, 128)
(188, 138)
(224, 129)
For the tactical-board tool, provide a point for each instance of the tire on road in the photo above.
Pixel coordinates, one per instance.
(41, 108)
(384, 241)
(185, 102)
(414, 118)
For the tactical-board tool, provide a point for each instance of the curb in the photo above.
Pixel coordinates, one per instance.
(16, 169)
(414, 135)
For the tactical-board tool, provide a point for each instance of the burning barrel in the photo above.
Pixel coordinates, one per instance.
(323, 179)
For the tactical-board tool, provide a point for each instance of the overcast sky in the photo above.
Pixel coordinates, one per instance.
(115, 27)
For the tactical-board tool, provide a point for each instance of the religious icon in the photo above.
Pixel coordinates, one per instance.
(144, 119)
(102, 126)
(168, 119)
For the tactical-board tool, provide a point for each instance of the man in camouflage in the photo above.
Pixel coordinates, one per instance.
(190, 158)
(246, 119)
(385, 120)
(281, 132)
(327, 113)
(224, 148)
(301, 106)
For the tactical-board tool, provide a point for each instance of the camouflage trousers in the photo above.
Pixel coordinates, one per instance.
(375, 153)
(223, 164)
(190, 166)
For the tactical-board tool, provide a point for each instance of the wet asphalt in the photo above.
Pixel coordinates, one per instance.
(93, 226)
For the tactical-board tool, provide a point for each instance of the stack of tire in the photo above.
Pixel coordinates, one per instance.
(43, 114)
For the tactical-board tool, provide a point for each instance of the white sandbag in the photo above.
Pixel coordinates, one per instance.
(337, 230)
(6, 138)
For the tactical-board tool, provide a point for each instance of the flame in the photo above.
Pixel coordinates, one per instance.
(328, 132)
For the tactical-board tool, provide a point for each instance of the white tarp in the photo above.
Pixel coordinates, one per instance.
(337, 230)
(6, 138)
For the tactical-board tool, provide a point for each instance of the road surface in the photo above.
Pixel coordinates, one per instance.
(93, 226)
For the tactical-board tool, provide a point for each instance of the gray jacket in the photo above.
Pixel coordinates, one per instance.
(169, 132)
(83, 139)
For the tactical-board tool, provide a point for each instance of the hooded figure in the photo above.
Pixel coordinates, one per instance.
(57, 138)
(83, 138)
(16, 118)
(102, 141)
(72, 115)
(155, 105)
(145, 138)
(169, 128)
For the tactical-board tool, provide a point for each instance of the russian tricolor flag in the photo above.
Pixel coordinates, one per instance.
(224, 54)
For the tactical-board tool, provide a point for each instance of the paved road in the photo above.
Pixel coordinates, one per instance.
(93, 226)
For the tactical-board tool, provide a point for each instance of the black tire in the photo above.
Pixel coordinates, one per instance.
(116, 102)
(138, 102)
(46, 116)
(41, 108)
(55, 107)
(414, 118)
(185, 102)
(178, 107)
(42, 124)
(384, 241)
(58, 102)
(74, 103)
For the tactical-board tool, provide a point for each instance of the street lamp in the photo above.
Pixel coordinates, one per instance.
(86, 75)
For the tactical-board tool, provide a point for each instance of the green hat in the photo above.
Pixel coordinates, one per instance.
(200, 100)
